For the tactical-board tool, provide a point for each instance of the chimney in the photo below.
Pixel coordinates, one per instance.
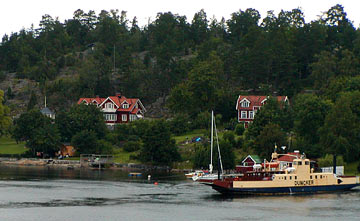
(97, 96)
(118, 94)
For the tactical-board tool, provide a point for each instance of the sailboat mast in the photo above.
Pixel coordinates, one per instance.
(211, 142)
(217, 141)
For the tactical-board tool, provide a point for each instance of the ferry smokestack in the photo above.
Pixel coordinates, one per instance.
(334, 164)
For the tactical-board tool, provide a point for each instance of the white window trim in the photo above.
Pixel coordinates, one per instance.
(110, 117)
(125, 106)
(109, 105)
(251, 114)
(124, 117)
(245, 103)
(243, 113)
(132, 117)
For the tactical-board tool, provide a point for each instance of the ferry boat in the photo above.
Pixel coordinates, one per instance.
(299, 178)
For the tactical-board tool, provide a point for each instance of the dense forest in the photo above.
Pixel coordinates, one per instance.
(204, 65)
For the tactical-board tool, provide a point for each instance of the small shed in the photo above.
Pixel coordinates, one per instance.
(248, 163)
(66, 150)
(47, 112)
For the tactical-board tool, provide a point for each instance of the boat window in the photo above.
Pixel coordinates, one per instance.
(295, 163)
(299, 163)
(320, 176)
(295, 177)
(290, 177)
(307, 163)
(310, 177)
(315, 176)
(284, 177)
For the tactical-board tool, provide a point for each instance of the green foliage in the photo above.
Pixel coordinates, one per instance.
(310, 112)
(32, 101)
(239, 129)
(270, 136)
(132, 146)
(10, 95)
(339, 134)
(85, 142)
(327, 161)
(79, 118)
(271, 112)
(38, 132)
(180, 124)
(158, 146)
(202, 156)
(229, 136)
(5, 120)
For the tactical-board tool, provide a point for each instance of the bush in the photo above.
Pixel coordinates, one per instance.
(179, 124)
(239, 129)
(104, 147)
(230, 137)
(327, 161)
(132, 146)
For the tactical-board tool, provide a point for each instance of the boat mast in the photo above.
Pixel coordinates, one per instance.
(211, 142)
(218, 147)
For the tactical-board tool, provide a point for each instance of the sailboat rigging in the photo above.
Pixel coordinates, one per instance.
(210, 177)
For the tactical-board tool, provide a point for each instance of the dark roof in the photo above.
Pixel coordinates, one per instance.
(46, 110)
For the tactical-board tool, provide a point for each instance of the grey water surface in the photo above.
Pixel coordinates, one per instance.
(41, 193)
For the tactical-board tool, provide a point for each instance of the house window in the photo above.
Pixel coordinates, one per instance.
(110, 117)
(244, 104)
(125, 106)
(251, 114)
(124, 117)
(109, 105)
(243, 115)
(132, 117)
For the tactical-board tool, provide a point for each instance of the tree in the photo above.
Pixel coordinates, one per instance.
(269, 136)
(85, 142)
(5, 120)
(203, 86)
(199, 27)
(79, 118)
(32, 101)
(272, 112)
(309, 115)
(158, 148)
(340, 132)
(38, 132)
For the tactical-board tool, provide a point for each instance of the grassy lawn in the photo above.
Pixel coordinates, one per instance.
(121, 156)
(189, 135)
(9, 146)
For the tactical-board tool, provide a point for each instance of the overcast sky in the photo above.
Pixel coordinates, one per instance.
(18, 14)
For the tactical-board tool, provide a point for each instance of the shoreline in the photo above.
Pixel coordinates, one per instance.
(75, 164)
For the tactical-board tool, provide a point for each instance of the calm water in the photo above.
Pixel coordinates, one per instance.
(30, 193)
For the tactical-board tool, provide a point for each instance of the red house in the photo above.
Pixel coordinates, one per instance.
(117, 109)
(247, 106)
(248, 164)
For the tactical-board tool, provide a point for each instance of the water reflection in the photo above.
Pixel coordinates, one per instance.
(62, 194)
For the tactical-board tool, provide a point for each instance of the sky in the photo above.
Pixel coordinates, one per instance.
(21, 14)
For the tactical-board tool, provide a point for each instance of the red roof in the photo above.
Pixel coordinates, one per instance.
(289, 158)
(118, 101)
(256, 100)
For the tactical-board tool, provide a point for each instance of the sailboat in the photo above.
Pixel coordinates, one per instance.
(210, 177)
